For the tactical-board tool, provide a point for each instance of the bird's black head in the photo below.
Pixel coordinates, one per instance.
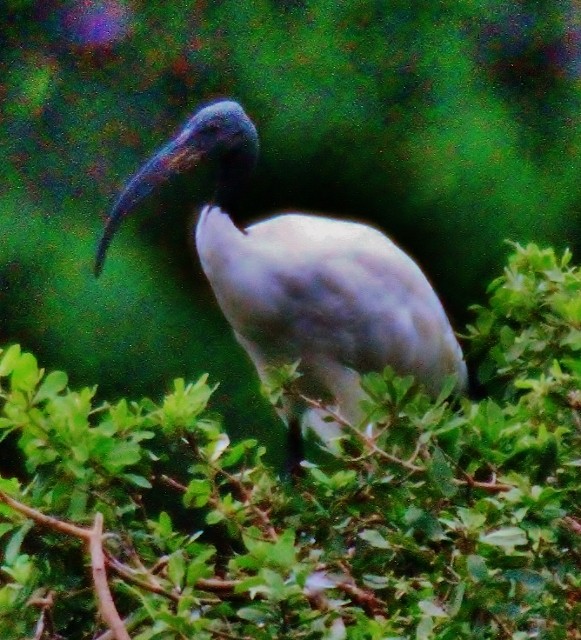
(220, 132)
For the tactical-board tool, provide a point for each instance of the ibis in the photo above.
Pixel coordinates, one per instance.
(338, 296)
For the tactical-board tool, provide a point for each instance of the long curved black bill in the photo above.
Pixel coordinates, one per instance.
(171, 159)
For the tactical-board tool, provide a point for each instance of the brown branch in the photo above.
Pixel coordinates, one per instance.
(491, 487)
(503, 627)
(367, 600)
(159, 565)
(193, 445)
(244, 494)
(44, 620)
(368, 442)
(149, 583)
(130, 622)
(174, 484)
(44, 520)
(247, 498)
(215, 585)
(572, 524)
(104, 598)
(93, 537)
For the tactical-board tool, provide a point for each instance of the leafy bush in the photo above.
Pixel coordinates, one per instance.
(441, 519)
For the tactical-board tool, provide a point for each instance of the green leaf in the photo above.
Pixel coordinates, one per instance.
(431, 609)
(214, 517)
(9, 359)
(12, 549)
(25, 373)
(200, 566)
(5, 527)
(176, 568)
(235, 453)
(53, 384)
(136, 480)
(198, 493)
(217, 446)
(456, 599)
(256, 614)
(10, 486)
(374, 538)
(441, 474)
(507, 538)
(477, 568)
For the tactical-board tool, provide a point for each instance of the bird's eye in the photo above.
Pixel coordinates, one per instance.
(213, 126)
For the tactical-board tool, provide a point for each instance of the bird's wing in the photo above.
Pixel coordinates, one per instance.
(345, 293)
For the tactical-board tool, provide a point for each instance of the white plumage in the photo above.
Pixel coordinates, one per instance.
(340, 296)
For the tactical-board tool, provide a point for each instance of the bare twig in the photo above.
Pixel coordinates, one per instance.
(173, 483)
(368, 442)
(149, 583)
(216, 585)
(246, 496)
(365, 598)
(491, 487)
(160, 565)
(572, 524)
(130, 622)
(45, 521)
(94, 539)
(416, 452)
(503, 627)
(44, 620)
(104, 598)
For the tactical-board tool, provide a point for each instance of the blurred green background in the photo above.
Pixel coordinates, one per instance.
(453, 125)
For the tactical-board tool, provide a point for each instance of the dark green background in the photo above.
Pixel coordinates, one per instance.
(453, 125)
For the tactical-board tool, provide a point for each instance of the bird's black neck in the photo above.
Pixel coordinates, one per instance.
(233, 171)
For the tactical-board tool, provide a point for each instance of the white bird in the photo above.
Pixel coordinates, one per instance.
(339, 296)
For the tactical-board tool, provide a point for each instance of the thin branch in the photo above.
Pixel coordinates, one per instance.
(130, 622)
(503, 627)
(247, 497)
(491, 487)
(214, 585)
(259, 513)
(160, 565)
(173, 483)
(572, 524)
(104, 598)
(416, 452)
(93, 537)
(368, 442)
(44, 520)
(366, 599)
(44, 620)
(130, 575)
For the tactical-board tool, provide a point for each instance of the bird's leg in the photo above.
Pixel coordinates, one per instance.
(295, 450)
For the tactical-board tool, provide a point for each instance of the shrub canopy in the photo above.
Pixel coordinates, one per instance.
(436, 519)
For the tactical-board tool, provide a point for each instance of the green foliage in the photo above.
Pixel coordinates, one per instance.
(533, 322)
(436, 519)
